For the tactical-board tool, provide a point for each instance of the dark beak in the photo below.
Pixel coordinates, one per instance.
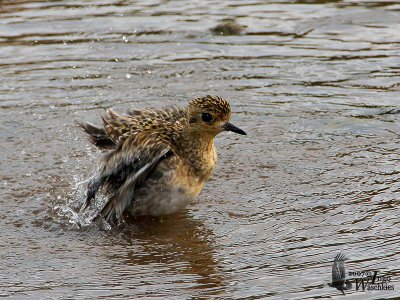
(229, 127)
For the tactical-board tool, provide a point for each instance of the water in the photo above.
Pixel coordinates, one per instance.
(318, 173)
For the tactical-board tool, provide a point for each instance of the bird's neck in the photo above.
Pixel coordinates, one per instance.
(198, 149)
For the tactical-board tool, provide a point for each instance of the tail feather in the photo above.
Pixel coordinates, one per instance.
(97, 135)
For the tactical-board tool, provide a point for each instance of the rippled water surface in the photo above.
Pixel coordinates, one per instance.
(316, 84)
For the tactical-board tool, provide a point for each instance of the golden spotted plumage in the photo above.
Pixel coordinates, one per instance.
(157, 160)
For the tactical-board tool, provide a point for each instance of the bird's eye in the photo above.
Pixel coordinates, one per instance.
(206, 117)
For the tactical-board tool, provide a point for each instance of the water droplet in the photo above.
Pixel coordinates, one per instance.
(127, 75)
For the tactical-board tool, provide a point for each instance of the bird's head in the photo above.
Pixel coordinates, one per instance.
(210, 115)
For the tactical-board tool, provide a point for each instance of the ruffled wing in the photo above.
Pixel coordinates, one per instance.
(123, 170)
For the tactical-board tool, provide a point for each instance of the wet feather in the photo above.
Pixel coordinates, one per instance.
(157, 161)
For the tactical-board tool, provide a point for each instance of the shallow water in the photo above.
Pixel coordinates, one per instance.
(315, 84)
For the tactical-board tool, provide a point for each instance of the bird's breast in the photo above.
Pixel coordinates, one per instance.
(174, 184)
(170, 188)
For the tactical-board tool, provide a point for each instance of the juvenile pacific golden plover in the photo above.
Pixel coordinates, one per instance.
(157, 160)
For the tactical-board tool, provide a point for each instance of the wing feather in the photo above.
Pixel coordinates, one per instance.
(138, 142)
(338, 269)
(97, 135)
(123, 170)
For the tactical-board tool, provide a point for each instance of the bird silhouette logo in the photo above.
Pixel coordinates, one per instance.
(339, 279)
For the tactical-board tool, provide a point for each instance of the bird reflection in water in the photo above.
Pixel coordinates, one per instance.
(183, 244)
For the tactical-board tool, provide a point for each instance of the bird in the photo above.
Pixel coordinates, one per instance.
(339, 279)
(156, 160)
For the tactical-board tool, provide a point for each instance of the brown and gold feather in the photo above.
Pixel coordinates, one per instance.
(157, 160)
